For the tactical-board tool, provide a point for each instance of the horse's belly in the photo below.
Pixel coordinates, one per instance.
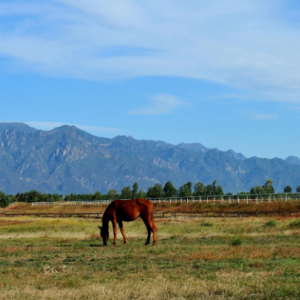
(129, 217)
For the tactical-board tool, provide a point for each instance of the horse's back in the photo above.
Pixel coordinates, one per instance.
(131, 209)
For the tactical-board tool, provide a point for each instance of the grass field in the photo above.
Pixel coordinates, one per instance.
(212, 258)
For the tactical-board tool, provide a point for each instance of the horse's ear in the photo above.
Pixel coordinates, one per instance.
(100, 227)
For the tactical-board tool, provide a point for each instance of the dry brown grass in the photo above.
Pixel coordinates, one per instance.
(226, 207)
(163, 207)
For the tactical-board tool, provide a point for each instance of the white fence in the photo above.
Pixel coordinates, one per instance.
(214, 199)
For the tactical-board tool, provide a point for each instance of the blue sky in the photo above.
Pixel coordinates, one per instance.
(225, 74)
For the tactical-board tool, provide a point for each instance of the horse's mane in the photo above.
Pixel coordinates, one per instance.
(105, 219)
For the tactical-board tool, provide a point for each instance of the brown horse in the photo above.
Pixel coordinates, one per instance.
(127, 210)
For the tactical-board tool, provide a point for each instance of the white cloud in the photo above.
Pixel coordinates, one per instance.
(161, 104)
(246, 44)
(91, 129)
(261, 116)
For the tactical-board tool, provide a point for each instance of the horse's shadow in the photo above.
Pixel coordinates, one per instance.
(96, 245)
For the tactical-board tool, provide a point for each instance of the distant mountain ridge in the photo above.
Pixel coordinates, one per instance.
(293, 160)
(67, 159)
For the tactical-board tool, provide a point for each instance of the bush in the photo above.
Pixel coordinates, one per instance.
(236, 241)
(295, 224)
(206, 224)
(270, 223)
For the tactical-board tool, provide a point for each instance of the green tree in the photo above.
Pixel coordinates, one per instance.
(257, 190)
(5, 200)
(213, 189)
(97, 196)
(288, 189)
(155, 191)
(199, 189)
(219, 190)
(170, 190)
(135, 189)
(298, 189)
(112, 194)
(268, 186)
(185, 190)
(141, 194)
(126, 193)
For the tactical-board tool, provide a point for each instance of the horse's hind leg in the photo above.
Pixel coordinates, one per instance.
(122, 231)
(145, 220)
(153, 229)
(149, 222)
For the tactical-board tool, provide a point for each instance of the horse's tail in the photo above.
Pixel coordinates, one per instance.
(152, 219)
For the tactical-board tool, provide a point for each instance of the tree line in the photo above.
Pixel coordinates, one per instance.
(155, 191)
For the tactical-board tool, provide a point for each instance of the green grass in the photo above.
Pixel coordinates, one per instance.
(64, 258)
(270, 223)
(295, 224)
(206, 224)
(236, 241)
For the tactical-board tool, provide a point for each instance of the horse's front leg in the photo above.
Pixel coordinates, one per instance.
(149, 235)
(122, 231)
(115, 231)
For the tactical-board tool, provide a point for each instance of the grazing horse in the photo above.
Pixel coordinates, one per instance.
(127, 210)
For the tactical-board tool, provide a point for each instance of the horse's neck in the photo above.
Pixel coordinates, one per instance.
(105, 220)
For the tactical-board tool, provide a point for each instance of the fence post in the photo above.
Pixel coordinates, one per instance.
(256, 199)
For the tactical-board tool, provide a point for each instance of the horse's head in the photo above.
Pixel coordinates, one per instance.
(104, 233)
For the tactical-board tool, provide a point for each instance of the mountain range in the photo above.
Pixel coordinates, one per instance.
(69, 160)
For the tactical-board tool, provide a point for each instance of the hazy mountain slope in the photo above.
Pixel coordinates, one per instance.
(193, 147)
(236, 155)
(293, 160)
(18, 126)
(67, 159)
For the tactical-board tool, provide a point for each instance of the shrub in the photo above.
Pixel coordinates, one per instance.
(295, 224)
(236, 241)
(206, 224)
(270, 223)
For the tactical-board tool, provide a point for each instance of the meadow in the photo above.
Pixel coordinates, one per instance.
(201, 258)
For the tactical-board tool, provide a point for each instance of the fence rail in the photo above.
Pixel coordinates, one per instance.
(215, 199)
(167, 214)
